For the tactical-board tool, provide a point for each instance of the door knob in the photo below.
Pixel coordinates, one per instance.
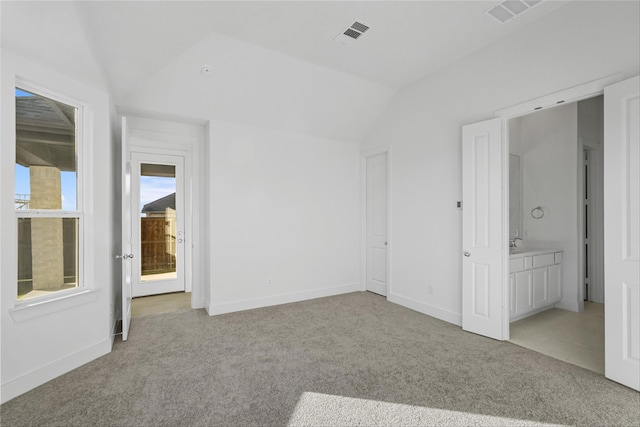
(467, 253)
(125, 256)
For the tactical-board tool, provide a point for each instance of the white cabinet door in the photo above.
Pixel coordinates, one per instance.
(540, 287)
(524, 291)
(555, 283)
(622, 232)
(483, 238)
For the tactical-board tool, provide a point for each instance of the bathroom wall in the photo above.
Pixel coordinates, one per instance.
(549, 155)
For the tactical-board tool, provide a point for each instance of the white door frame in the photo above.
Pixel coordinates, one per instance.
(364, 155)
(573, 94)
(186, 140)
(139, 286)
(135, 148)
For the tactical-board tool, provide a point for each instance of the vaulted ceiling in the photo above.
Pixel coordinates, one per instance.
(277, 62)
(407, 41)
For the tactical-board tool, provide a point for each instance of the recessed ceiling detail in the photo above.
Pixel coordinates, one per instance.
(509, 9)
(352, 33)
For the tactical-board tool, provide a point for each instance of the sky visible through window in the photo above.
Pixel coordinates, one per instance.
(155, 187)
(67, 181)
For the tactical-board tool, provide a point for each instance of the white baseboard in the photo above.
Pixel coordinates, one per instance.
(230, 307)
(46, 373)
(429, 310)
(568, 305)
(530, 313)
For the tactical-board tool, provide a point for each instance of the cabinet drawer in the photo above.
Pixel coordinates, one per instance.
(543, 260)
(519, 264)
(516, 264)
(528, 263)
(558, 257)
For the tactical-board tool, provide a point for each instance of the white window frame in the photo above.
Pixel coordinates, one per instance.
(82, 293)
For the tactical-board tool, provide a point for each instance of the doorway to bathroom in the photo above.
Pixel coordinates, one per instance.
(556, 232)
(544, 272)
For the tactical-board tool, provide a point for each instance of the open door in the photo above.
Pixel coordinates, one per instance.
(482, 229)
(126, 253)
(622, 232)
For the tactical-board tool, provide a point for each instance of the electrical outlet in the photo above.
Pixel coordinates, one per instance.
(269, 281)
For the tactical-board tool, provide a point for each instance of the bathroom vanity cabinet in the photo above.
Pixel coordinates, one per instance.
(535, 282)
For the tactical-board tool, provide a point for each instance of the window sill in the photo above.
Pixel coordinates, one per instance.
(27, 310)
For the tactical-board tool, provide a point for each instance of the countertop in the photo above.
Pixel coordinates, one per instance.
(521, 252)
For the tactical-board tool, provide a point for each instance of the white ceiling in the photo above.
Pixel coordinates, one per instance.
(408, 40)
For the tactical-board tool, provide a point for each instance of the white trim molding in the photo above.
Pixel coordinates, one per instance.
(566, 96)
(37, 307)
(429, 310)
(249, 304)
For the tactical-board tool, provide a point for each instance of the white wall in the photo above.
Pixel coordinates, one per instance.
(51, 33)
(581, 42)
(282, 169)
(67, 333)
(550, 153)
(283, 207)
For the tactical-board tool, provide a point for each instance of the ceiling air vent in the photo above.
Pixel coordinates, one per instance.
(352, 33)
(509, 9)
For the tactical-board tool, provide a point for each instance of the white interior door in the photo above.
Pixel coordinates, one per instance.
(377, 224)
(483, 228)
(125, 254)
(157, 229)
(622, 232)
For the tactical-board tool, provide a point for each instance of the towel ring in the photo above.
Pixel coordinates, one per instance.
(537, 213)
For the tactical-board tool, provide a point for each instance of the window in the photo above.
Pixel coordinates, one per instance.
(48, 209)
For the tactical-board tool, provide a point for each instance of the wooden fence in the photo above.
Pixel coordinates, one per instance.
(158, 245)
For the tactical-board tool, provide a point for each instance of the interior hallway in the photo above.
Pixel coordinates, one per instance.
(576, 338)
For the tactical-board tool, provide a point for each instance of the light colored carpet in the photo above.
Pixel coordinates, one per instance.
(315, 409)
(353, 359)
